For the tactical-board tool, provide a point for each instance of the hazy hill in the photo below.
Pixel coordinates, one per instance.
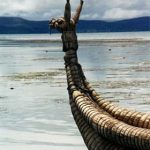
(15, 25)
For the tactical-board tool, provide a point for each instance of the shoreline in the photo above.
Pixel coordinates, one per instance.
(109, 37)
(129, 40)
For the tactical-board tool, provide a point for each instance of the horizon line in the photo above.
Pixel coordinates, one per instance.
(106, 20)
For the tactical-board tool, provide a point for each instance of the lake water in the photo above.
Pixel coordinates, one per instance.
(34, 107)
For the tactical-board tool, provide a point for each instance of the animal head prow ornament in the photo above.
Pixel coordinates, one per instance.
(61, 23)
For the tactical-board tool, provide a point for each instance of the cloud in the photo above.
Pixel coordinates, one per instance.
(116, 9)
(127, 9)
(31, 9)
(93, 9)
(118, 13)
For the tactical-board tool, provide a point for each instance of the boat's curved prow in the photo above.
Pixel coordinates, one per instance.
(103, 125)
(100, 125)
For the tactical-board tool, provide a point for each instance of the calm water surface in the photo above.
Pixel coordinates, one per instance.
(34, 108)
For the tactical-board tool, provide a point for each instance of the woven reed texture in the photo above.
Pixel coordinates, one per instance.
(98, 116)
(131, 117)
(102, 124)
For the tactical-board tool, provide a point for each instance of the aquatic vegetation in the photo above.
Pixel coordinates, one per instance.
(36, 75)
(121, 84)
(47, 59)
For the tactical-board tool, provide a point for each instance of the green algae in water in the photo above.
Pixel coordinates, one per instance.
(121, 84)
(36, 75)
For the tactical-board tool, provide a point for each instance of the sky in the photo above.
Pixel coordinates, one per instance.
(93, 9)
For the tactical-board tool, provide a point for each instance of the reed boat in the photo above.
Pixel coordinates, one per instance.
(102, 124)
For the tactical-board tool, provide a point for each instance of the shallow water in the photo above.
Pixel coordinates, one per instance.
(34, 108)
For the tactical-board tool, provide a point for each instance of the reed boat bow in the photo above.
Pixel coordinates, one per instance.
(102, 124)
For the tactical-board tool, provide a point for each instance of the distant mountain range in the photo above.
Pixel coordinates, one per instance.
(15, 25)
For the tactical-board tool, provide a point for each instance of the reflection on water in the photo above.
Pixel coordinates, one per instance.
(34, 107)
